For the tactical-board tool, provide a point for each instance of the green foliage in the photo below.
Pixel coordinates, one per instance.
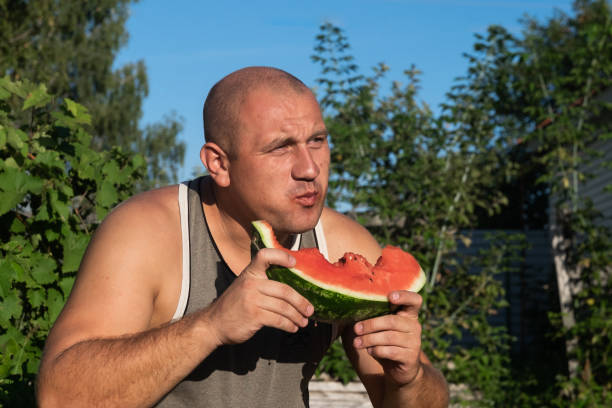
(54, 189)
(551, 89)
(416, 181)
(336, 364)
(457, 325)
(71, 46)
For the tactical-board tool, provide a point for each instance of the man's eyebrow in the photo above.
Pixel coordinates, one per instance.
(283, 140)
(279, 141)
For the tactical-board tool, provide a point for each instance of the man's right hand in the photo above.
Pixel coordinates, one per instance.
(252, 301)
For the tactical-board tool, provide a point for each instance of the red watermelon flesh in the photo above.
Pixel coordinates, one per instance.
(394, 270)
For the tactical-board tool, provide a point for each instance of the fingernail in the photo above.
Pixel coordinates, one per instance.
(309, 310)
(291, 261)
(394, 296)
(304, 322)
(358, 342)
(358, 328)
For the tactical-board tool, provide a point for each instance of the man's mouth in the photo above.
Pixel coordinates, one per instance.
(307, 199)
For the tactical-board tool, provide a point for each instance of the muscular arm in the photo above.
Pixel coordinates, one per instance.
(109, 346)
(386, 351)
(131, 370)
(112, 344)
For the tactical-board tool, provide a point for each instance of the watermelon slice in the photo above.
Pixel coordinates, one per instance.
(349, 290)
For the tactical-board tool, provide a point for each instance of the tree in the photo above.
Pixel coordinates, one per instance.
(550, 88)
(416, 180)
(71, 46)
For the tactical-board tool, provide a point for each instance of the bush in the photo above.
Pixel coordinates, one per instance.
(54, 190)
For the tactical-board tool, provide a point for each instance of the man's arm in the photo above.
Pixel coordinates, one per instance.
(386, 351)
(112, 344)
(132, 370)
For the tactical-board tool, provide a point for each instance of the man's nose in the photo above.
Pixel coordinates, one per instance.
(304, 167)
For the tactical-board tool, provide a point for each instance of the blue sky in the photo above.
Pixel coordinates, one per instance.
(189, 45)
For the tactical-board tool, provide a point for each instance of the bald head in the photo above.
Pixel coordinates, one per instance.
(222, 107)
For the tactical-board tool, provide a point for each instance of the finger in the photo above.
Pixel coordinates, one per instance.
(389, 338)
(269, 256)
(393, 353)
(384, 323)
(288, 295)
(278, 321)
(280, 307)
(409, 302)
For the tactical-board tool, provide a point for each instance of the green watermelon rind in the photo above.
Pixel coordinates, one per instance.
(329, 305)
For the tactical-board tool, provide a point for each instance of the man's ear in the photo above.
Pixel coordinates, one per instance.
(216, 162)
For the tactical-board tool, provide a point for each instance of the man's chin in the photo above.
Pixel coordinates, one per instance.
(298, 223)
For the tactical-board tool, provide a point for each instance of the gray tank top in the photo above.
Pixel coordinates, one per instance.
(272, 369)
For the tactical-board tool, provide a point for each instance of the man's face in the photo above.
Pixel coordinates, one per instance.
(281, 166)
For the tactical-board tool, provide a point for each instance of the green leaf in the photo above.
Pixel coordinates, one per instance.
(16, 138)
(51, 235)
(14, 185)
(83, 137)
(33, 365)
(4, 94)
(107, 194)
(10, 162)
(55, 303)
(78, 111)
(16, 88)
(138, 161)
(36, 297)
(6, 271)
(37, 98)
(43, 271)
(74, 246)
(9, 344)
(51, 158)
(66, 284)
(59, 205)
(10, 307)
(2, 137)
(17, 226)
(42, 215)
(72, 106)
(87, 158)
(111, 170)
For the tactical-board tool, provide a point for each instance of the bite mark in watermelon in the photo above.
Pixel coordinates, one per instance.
(351, 289)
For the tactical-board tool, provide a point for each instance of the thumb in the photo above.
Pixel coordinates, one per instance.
(269, 256)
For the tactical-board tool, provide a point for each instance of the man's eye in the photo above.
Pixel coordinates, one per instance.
(319, 140)
(280, 148)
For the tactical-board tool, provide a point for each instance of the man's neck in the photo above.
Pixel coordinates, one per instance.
(231, 226)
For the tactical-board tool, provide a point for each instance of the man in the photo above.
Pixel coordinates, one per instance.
(170, 309)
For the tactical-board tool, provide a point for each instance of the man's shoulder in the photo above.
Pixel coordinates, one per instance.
(150, 209)
(146, 224)
(344, 234)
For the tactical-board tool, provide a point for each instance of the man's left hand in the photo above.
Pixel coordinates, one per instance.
(394, 340)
